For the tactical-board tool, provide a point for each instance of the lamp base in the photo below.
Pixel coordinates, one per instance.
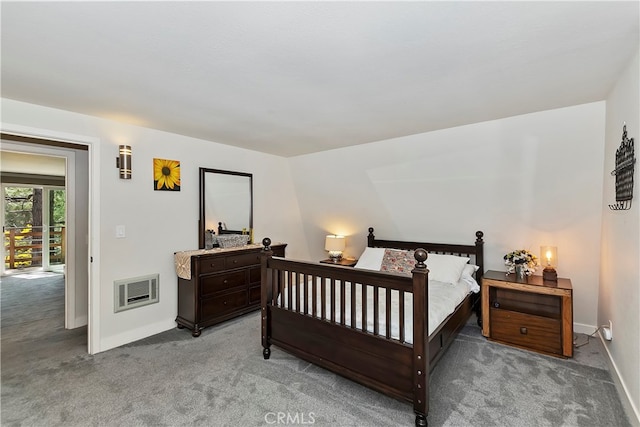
(335, 256)
(549, 274)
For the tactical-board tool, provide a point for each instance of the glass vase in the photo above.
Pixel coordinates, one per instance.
(520, 272)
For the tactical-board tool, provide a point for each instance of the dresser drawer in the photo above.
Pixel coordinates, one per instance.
(221, 282)
(526, 330)
(211, 264)
(220, 305)
(242, 260)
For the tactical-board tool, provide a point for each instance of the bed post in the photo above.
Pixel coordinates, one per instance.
(420, 339)
(265, 296)
(370, 237)
(479, 254)
(479, 274)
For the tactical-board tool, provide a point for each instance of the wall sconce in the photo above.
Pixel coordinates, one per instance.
(549, 257)
(335, 245)
(123, 161)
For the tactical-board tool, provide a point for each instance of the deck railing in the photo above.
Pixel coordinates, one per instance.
(23, 246)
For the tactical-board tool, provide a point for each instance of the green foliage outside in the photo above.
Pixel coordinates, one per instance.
(19, 205)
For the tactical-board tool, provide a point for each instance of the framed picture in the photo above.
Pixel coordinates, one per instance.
(166, 175)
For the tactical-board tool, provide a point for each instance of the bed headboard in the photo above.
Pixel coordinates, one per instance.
(474, 251)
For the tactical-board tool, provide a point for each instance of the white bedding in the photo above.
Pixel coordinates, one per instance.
(443, 299)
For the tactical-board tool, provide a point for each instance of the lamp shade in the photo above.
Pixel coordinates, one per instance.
(549, 256)
(334, 243)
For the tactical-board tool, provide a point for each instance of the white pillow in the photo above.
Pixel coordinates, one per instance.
(467, 278)
(446, 268)
(371, 259)
(469, 269)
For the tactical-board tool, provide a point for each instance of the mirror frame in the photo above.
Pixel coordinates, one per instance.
(201, 221)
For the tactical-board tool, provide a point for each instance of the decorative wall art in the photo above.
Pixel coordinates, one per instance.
(166, 175)
(625, 161)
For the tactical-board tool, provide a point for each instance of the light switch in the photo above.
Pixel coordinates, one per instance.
(120, 232)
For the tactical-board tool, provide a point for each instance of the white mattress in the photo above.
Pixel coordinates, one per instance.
(443, 299)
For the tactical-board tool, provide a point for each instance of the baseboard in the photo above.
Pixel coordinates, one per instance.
(627, 402)
(581, 328)
(135, 335)
(79, 321)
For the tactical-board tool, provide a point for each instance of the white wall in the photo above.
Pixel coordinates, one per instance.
(525, 181)
(157, 223)
(619, 294)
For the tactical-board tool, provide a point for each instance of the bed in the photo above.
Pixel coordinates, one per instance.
(373, 327)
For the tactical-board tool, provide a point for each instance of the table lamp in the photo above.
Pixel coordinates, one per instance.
(549, 257)
(335, 245)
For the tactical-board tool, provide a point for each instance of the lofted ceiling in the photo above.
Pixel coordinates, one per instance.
(291, 78)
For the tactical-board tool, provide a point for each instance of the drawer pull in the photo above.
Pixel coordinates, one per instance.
(496, 304)
(523, 331)
(225, 303)
(235, 261)
(225, 281)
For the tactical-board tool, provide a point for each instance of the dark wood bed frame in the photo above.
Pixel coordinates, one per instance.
(374, 359)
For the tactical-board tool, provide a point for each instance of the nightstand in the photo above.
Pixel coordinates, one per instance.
(343, 262)
(528, 313)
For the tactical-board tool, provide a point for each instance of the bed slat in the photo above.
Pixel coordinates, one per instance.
(376, 310)
(388, 313)
(363, 304)
(342, 303)
(401, 316)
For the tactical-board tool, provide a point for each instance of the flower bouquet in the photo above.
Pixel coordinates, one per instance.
(521, 259)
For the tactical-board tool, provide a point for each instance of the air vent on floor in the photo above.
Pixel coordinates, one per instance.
(136, 292)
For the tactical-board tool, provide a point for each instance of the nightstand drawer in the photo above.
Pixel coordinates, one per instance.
(526, 330)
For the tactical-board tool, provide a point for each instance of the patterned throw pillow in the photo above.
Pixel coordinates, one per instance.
(398, 261)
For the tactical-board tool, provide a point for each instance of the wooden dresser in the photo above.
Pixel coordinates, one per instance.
(218, 284)
(528, 313)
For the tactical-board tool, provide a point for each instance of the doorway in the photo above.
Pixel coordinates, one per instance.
(63, 239)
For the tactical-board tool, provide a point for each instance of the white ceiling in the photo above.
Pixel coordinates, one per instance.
(290, 78)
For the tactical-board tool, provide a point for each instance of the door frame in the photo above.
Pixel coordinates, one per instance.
(39, 142)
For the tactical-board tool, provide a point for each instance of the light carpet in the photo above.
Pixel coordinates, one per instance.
(221, 379)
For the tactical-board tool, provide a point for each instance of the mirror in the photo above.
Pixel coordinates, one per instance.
(226, 203)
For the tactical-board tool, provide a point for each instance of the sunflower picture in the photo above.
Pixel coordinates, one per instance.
(166, 175)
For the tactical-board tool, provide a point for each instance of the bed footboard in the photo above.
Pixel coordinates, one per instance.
(310, 311)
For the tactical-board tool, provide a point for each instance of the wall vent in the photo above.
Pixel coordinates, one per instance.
(136, 292)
